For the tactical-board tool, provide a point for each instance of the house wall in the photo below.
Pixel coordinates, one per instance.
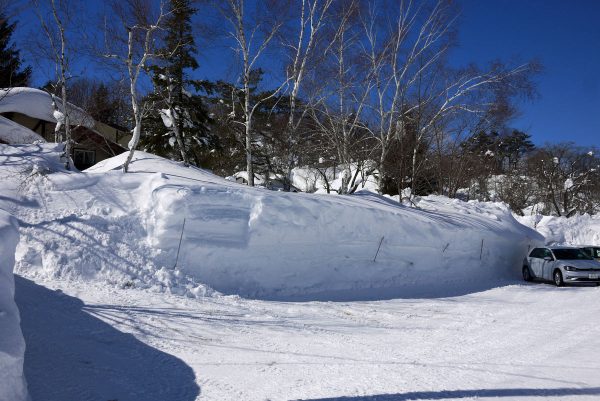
(102, 143)
(114, 134)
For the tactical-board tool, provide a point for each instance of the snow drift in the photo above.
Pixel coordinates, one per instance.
(259, 243)
(12, 345)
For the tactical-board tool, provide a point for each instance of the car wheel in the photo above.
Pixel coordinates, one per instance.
(558, 278)
(527, 274)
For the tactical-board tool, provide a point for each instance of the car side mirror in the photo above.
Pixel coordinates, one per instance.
(548, 258)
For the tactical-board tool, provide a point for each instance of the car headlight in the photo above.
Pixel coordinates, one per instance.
(570, 268)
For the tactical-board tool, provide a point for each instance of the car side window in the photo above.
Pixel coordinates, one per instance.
(547, 253)
(536, 253)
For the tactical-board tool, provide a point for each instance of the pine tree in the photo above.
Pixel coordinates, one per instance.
(11, 73)
(177, 127)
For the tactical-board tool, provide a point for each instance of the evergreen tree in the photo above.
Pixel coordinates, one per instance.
(11, 73)
(178, 125)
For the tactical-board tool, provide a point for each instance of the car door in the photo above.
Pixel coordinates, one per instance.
(535, 262)
(547, 266)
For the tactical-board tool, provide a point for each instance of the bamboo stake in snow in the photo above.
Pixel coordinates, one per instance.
(379, 247)
(179, 247)
(481, 251)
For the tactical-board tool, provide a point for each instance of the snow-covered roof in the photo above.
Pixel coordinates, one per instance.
(38, 104)
(13, 133)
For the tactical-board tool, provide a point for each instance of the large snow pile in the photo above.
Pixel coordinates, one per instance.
(577, 230)
(125, 229)
(12, 345)
(80, 227)
(38, 104)
(266, 244)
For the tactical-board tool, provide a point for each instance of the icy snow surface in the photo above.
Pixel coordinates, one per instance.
(107, 316)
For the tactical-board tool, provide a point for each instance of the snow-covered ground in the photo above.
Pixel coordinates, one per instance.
(110, 312)
(517, 342)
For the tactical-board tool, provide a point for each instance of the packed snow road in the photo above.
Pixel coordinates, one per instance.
(518, 342)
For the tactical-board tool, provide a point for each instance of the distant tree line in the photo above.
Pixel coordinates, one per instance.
(361, 86)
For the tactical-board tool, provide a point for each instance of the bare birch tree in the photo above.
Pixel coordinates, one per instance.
(415, 90)
(54, 28)
(251, 39)
(308, 27)
(338, 110)
(140, 47)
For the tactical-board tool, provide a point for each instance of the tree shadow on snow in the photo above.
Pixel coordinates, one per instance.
(72, 355)
(482, 393)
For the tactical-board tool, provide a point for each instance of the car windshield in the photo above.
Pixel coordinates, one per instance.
(570, 254)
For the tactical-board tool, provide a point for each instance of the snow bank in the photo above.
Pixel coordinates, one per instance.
(38, 104)
(81, 227)
(577, 230)
(265, 244)
(12, 345)
(125, 229)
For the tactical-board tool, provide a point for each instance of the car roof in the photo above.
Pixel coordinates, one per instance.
(588, 246)
(553, 247)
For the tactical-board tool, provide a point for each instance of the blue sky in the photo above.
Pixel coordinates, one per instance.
(563, 35)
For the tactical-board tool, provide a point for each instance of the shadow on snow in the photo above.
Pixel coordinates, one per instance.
(72, 355)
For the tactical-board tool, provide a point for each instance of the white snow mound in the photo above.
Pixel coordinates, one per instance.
(12, 344)
(576, 230)
(274, 245)
(82, 227)
(125, 229)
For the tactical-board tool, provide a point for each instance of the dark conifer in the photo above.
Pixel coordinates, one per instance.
(177, 127)
(11, 71)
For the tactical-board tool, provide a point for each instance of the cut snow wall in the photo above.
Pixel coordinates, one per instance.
(12, 344)
(298, 246)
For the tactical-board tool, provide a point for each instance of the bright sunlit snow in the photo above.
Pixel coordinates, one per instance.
(107, 315)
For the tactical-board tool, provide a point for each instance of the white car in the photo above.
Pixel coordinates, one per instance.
(561, 265)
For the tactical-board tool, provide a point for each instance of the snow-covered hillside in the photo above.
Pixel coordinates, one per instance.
(125, 229)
